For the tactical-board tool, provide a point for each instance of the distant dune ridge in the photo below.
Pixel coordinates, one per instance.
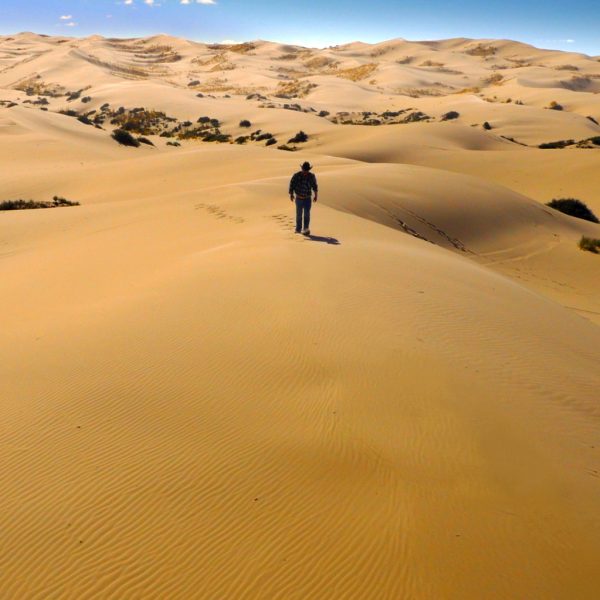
(200, 404)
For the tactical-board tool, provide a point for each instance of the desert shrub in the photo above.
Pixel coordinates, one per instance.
(487, 126)
(481, 50)
(556, 145)
(242, 139)
(217, 137)
(173, 144)
(449, 116)
(494, 79)
(69, 113)
(263, 136)
(86, 99)
(215, 122)
(415, 117)
(589, 244)
(74, 95)
(193, 83)
(30, 204)
(84, 119)
(245, 123)
(323, 113)
(567, 68)
(186, 124)
(287, 148)
(145, 140)
(356, 73)
(554, 105)
(105, 106)
(204, 120)
(271, 141)
(574, 208)
(124, 138)
(595, 140)
(300, 137)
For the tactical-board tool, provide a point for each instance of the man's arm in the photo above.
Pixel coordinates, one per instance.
(315, 187)
(292, 181)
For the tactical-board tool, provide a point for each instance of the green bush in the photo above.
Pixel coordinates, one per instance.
(125, 138)
(573, 208)
(487, 126)
(271, 141)
(245, 123)
(589, 244)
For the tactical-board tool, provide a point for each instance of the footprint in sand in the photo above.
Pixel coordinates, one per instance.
(220, 213)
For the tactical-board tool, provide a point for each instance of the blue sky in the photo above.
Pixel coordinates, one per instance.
(550, 24)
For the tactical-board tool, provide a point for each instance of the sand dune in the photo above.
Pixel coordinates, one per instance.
(201, 404)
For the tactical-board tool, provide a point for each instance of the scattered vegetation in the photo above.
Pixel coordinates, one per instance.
(554, 105)
(357, 73)
(173, 144)
(245, 123)
(141, 120)
(481, 50)
(574, 208)
(589, 244)
(431, 63)
(556, 145)
(271, 141)
(415, 117)
(300, 137)
(124, 138)
(294, 89)
(287, 148)
(30, 204)
(487, 126)
(494, 79)
(449, 116)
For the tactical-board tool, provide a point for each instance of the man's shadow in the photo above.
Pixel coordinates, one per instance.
(320, 238)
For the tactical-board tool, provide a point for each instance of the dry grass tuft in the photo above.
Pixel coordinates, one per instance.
(356, 73)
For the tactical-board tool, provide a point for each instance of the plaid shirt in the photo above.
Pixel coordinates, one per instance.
(302, 183)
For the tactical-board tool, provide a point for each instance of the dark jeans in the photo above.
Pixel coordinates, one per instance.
(303, 208)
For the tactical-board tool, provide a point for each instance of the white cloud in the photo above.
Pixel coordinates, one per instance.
(71, 24)
(66, 17)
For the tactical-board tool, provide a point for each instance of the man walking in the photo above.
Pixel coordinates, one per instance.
(302, 184)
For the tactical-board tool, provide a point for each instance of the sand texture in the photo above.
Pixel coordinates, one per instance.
(198, 403)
